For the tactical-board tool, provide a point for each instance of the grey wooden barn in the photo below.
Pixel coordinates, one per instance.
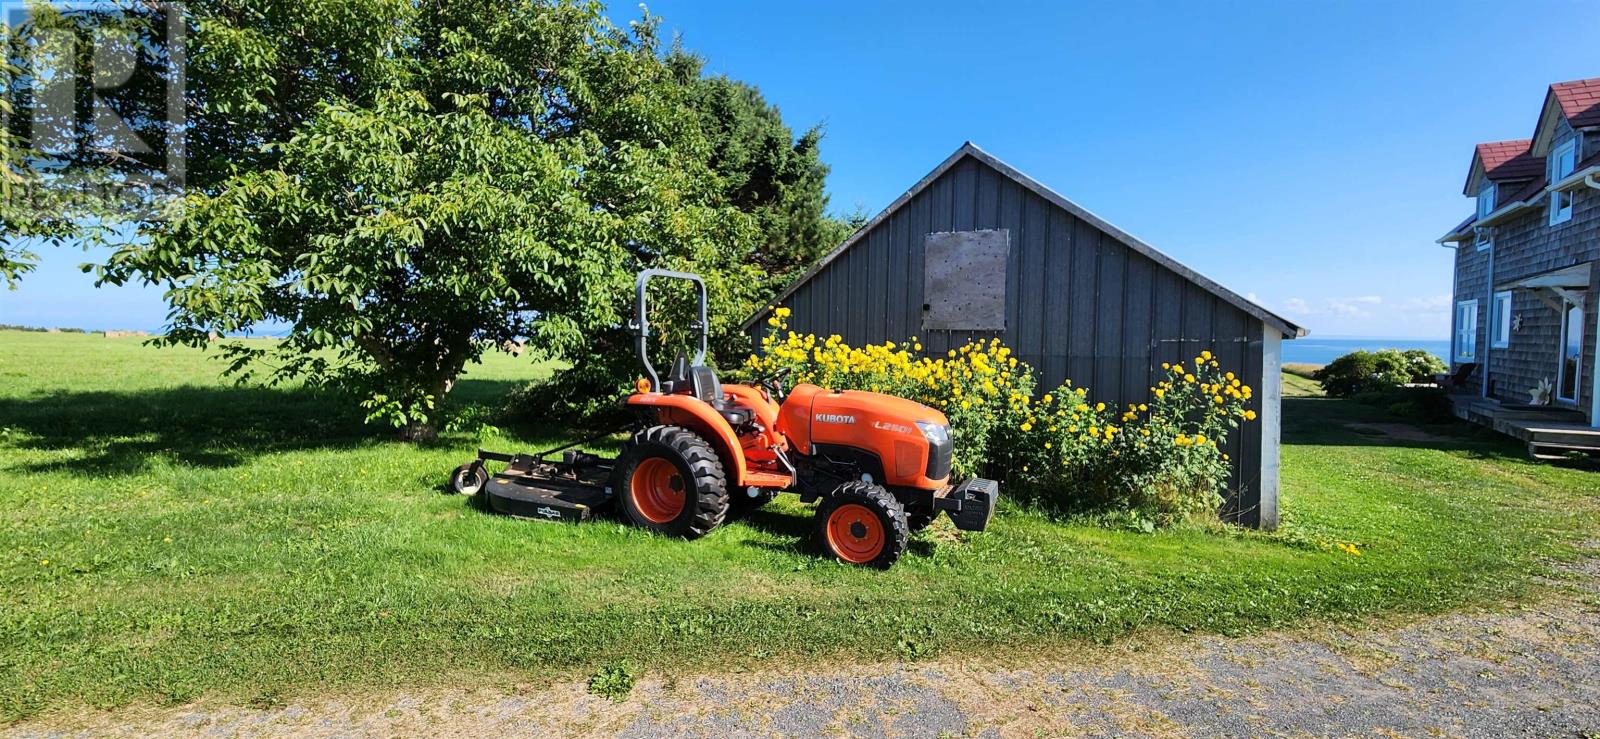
(977, 249)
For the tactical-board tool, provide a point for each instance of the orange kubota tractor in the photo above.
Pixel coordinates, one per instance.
(700, 450)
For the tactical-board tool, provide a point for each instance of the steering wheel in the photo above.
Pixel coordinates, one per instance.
(772, 384)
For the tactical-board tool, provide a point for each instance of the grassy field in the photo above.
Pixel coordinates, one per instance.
(165, 535)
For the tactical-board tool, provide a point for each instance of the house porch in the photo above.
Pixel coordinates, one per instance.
(1550, 432)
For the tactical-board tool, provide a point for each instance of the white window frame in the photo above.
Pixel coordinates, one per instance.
(1465, 344)
(1483, 240)
(1486, 197)
(1561, 202)
(1500, 320)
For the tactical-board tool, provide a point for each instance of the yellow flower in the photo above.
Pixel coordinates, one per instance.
(783, 312)
(1026, 427)
(1100, 407)
(1249, 415)
(1206, 355)
(1160, 393)
(1188, 378)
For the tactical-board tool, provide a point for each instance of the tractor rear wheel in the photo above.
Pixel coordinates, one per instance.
(669, 480)
(862, 524)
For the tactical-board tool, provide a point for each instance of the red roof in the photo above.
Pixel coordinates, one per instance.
(1530, 190)
(1580, 101)
(1509, 160)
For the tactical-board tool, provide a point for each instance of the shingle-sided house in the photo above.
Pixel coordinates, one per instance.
(1526, 274)
(977, 249)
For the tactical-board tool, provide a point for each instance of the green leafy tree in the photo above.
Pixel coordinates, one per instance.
(764, 169)
(760, 167)
(405, 184)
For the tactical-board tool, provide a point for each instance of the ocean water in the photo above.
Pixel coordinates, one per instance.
(1312, 350)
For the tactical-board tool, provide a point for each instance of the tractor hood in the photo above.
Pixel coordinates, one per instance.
(911, 440)
(876, 407)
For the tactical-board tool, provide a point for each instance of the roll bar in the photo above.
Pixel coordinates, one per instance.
(641, 321)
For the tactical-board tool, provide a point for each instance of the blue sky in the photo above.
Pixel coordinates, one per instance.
(1307, 154)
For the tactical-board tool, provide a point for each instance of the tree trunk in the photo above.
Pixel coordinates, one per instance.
(427, 429)
(419, 431)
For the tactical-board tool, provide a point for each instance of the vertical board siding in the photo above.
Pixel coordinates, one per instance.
(1079, 303)
(1081, 287)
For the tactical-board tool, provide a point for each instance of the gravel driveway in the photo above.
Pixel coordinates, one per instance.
(1533, 671)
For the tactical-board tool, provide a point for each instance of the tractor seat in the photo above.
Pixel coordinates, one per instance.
(703, 381)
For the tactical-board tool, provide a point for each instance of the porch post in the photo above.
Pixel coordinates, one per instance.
(1271, 423)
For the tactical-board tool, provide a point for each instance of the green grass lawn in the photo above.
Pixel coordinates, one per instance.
(166, 535)
(1300, 386)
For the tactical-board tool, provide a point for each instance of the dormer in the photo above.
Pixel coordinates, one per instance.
(1569, 108)
(1497, 165)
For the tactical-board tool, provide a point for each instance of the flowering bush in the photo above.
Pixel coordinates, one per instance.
(1162, 458)
(979, 387)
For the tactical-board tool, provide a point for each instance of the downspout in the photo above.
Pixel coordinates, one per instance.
(1488, 315)
(1455, 308)
(1594, 368)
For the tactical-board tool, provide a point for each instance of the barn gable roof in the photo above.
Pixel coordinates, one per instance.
(970, 150)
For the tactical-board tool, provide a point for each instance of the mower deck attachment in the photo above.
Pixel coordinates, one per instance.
(529, 487)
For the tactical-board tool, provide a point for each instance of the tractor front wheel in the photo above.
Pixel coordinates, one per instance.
(669, 480)
(862, 524)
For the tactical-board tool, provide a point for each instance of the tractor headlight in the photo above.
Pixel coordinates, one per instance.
(935, 433)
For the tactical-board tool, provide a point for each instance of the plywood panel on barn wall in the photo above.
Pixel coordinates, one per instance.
(965, 280)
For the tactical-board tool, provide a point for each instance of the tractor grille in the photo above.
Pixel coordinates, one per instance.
(939, 453)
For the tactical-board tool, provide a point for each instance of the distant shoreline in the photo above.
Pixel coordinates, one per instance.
(1312, 350)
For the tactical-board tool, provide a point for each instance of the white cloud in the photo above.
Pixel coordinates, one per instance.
(1356, 307)
(1440, 302)
(1373, 315)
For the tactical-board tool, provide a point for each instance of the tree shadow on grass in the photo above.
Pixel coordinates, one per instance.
(1341, 422)
(121, 433)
